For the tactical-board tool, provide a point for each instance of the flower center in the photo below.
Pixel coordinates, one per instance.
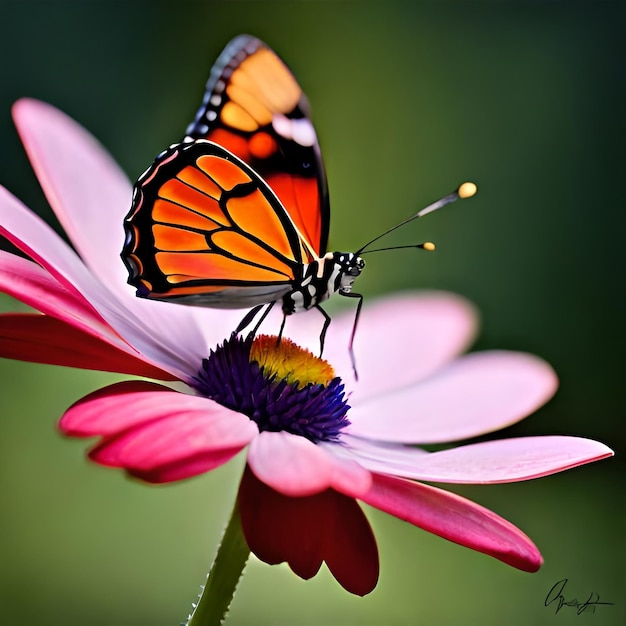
(279, 385)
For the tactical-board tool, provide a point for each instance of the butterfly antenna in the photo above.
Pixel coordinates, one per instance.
(466, 190)
(429, 246)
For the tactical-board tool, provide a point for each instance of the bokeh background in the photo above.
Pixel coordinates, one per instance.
(409, 99)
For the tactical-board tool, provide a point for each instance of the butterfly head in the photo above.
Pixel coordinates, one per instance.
(350, 267)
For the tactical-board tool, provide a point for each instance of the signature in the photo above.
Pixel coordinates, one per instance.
(555, 596)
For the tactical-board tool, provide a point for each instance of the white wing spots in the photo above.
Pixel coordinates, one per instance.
(301, 131)
(282, 125)
(312, 290)
(211, 115)
(216, 100)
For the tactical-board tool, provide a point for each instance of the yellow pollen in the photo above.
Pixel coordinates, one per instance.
(467, 190)
(288, 361)
(428, 246)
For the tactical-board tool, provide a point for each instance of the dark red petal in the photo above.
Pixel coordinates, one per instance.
(327, 526)
(351, 552)
(278, 528)
(42, 339)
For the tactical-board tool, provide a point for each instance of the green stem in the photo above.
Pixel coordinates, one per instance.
(224, 576)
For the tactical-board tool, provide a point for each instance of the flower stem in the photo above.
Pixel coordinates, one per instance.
(224, 576)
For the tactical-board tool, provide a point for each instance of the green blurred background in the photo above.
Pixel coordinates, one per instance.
(409, 99)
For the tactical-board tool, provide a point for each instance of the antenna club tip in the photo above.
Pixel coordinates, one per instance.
(429, 246)
(466, 190)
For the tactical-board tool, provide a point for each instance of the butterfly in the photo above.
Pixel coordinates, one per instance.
(237, 214)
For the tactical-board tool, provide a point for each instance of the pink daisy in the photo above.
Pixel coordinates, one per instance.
(316, 441)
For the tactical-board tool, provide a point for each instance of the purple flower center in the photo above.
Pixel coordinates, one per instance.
(231, 377)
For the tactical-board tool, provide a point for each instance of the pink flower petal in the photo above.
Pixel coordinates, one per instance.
(173, 438)
(107, 411)
(187, 435)
(167, 335)
(402, 339)
(500, 461)
(42, 339)
(158, 434)
(35, 238)
(478, 393)
(378, 456)
(290, 464)
(33, 285)
(85, 187)
(26, 281)
(454, 518)
(187, 467)
(348, 477)
(308, 530)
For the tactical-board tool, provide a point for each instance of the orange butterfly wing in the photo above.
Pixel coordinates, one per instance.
(254, 107)
(204, 228)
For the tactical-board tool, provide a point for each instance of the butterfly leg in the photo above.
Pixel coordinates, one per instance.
(262, 318)
(356, 321)
(250, 315)
(324, 328)
(280, 332)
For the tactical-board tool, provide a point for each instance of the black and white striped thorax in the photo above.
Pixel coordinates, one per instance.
(334, 272)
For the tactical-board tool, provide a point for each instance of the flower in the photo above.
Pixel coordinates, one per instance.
(316, 441)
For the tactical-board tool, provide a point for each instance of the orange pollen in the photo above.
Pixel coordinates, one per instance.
(288, 361)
